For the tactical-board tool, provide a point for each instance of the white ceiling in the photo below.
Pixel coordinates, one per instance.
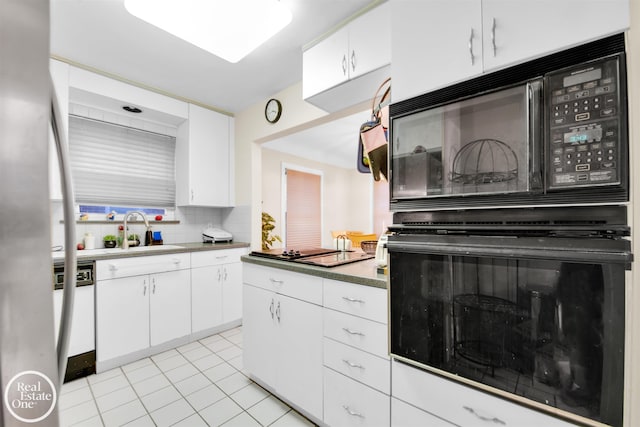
(102, 35)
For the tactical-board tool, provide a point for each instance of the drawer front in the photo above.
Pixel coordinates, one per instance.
(349, 403)
(216, 257)
(295, 285)
(364, 367)
(470, 407)
(135, 266)
(359, 300)
(357, 332)
(405, 415)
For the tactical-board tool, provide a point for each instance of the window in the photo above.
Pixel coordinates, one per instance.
(117, 165)
(303, 209)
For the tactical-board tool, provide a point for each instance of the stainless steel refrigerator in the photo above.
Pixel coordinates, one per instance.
(29, 362)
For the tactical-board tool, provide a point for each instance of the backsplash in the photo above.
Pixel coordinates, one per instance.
(193, 220)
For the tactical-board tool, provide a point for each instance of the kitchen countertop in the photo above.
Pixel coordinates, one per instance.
(361, 272)
(103, 253)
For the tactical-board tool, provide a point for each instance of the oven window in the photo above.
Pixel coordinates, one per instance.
(532, 328)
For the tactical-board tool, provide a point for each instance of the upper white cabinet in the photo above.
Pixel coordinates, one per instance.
(354, 51)
(436, 43)
(204, 158)
(60, 76)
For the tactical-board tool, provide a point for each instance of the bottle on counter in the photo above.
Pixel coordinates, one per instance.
(89, 241)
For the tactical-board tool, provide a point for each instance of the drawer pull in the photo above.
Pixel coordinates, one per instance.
(483, 417)
(353, 300)
(350, 332)
(176, 261)
(351, 412)
(352, 365)
(113, 267)
(222, 257)
(276, 281)
(271, 308)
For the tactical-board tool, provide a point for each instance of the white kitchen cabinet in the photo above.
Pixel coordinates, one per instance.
(405, 415)
(470, 407)
(141, 302)
(349, 403)
(436, 43)
(216, 288)
(282, 337)
(204, 159)
(60, 77)
(170, 306)
(360, 47)
(122, 316)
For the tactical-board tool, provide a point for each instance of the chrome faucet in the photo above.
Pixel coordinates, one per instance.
(125, 238)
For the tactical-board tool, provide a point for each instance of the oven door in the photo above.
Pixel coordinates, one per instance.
(485, 144)
(540, 318)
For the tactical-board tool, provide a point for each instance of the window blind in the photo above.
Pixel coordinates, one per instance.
(303, 210)
(119, 165)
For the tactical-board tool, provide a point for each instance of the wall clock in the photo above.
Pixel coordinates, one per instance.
(273, 110)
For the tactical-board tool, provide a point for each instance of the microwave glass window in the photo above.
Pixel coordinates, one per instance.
(478, 145)
(532, 328)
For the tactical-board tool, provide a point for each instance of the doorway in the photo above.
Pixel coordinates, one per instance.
(302, 207)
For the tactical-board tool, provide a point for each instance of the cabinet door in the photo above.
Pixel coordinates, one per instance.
(434, 43)
(170, 307)
(521, 30)
(231, 292)
(300, 353)
(206, 298)
(404, 415)
(368, 52)
(203, 159)
(326, 64)
(258, 334)
(122, 316)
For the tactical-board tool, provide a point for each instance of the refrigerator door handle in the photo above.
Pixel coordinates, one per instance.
(70, 258)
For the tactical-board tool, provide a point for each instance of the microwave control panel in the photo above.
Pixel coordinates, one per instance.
(584, 125)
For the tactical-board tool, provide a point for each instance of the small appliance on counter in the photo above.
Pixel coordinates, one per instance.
(215, 235)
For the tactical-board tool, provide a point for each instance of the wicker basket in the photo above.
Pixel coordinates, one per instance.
(357, 239)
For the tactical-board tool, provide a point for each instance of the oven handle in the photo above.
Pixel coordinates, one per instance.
(572, 250)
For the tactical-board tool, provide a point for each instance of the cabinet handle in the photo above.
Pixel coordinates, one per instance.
(484, 418)
(471, 46)
(176, 261)
(192, 195)
(219, 275)
(353, 300)
(154, 285)
(225, 274)
(351, 412)
(278, 312)
(353, 365)
(144, 290)
(222, 257)
(113, 267)
(344, 64)
(276, 281)
(350, 332)
(271, 308)
(493, 36)
(353, 60)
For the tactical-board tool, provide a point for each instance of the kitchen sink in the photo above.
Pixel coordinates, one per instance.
(147, 248)
(88, 253)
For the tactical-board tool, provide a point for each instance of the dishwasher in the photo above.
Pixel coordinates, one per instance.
(82, 346)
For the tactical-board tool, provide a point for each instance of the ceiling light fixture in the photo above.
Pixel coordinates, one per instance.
(230, 29)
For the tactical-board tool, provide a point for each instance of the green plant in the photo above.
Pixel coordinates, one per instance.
(268, 224)
(109, 237)
(134, 237)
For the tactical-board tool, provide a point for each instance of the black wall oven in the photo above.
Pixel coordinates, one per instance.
(523, 303)
(551, 131)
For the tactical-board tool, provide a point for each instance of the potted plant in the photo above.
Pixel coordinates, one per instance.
(268, 224)
(110, 241)
(134, 238)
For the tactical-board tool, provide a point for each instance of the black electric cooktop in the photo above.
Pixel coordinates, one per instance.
(314, 256)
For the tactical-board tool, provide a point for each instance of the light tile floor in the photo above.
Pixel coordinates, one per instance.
(198, 384)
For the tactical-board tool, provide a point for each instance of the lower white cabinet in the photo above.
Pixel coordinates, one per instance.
(459, 404)
(350, 403)
(282, 341)
(405, 415)
(135, 311)
(216, 288)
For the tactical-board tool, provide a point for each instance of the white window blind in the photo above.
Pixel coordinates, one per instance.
(303, 210)
(118, 165)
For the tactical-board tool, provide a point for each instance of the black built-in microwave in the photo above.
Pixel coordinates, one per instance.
(551, 131)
